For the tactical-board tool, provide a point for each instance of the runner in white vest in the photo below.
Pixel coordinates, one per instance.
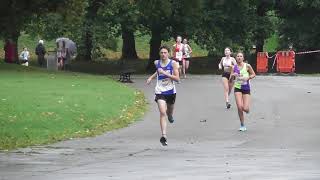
(226, 64)
(186, 56)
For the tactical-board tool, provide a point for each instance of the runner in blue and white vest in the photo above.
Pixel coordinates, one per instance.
(165, 91)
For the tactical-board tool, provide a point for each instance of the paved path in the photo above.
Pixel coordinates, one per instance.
(282, 141)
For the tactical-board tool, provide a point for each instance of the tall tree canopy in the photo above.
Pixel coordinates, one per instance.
(16, 16)
(300, 23)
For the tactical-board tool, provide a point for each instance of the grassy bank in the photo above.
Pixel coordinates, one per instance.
(40, 107)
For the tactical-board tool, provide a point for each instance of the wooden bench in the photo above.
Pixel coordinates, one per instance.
(125, 75)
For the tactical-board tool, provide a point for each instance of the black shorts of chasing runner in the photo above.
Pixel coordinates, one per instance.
(180, 63)
(187, 59)
(24, 61)
(168, 98)
(242, 91)
(61, 60)
(226, 75)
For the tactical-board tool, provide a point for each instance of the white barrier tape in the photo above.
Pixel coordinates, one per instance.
(308, 52)
(271, 56)
(298, 53)
(274, 61)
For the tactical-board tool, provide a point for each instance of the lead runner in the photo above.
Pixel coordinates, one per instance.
(165, 91)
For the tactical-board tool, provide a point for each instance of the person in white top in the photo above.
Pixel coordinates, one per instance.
(24, 56)
(186, 56)
(226, 65)
(61, 54)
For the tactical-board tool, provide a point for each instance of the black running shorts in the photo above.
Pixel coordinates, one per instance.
(242, 91)
(169, 98)
(226, 75)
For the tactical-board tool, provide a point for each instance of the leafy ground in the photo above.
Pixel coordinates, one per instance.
(40, 107)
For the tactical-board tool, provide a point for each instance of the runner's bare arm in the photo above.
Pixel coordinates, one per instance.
(232, 74)
(190, 48)
(220, 64)
(173, 52)
(234, 62)
(252, 74)
(153, 75)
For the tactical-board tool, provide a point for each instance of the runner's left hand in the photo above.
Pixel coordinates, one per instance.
(161, 71)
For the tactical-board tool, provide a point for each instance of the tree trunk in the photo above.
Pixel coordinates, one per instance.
(88, 46)
(155, 43)
(260, 44)
(261, 12)
(15, 42)
(13, 34)
(129, 46)
(12, 29)
(92, 10)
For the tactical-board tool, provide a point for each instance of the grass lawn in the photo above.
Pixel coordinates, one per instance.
(40, 107)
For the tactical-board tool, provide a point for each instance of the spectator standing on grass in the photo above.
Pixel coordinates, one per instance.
(40, 52)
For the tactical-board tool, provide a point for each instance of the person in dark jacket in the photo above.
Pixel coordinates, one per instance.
(40, 52)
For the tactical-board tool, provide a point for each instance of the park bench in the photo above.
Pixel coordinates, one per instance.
(126, 70)
(125, 75)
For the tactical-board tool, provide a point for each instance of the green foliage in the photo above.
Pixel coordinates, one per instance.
(155, 16)
(67, 21)
(109, 19)
(64, 18)
(185, 17)
(272, 43)
(212, 24)
(104, 37)
(225, 23)
(300, 23)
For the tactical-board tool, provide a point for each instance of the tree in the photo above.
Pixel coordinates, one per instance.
(65, 21)
(264, 24)
(185, 17)
(91, 13)
(300, 23)
(16, 15)
(225, 23)
(155, 16)
(129, 24)
(88, 31)
(123, 15)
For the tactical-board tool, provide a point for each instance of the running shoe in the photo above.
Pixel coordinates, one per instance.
(170, 119)
(163, 141)
(242, 128)
(228, 105)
